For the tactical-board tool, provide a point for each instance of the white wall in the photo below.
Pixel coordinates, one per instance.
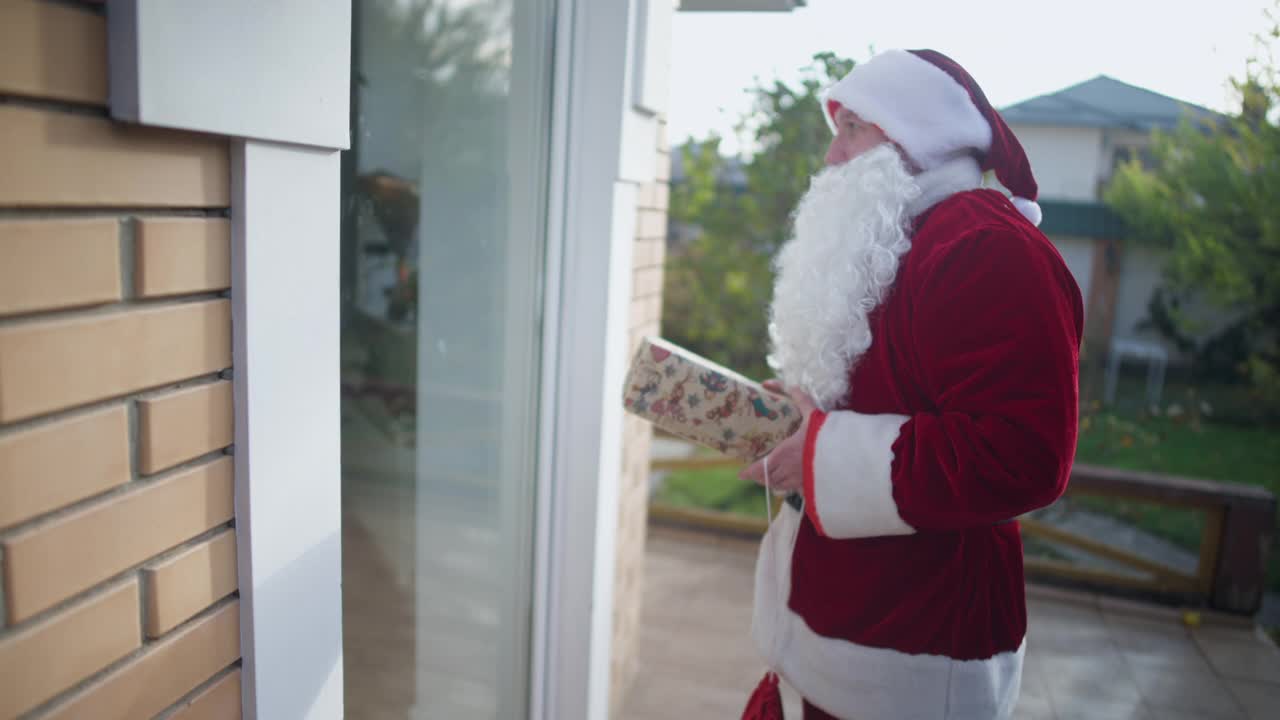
(269, 70)
(1066, 161)
(1140, 275)
(1113, 140)
(1142, 271)
(1077, 252)
(288, 484)
(1070, 162)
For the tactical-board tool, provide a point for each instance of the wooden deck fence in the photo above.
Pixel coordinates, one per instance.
(1230, 573)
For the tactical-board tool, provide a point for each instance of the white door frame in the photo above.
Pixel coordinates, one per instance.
(591, 232)
(285, 300)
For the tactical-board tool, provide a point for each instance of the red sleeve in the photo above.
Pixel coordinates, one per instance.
(997, 325)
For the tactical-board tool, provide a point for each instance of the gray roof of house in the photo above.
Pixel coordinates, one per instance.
(1108, 103)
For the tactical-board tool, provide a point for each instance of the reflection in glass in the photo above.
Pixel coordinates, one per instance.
(442, 251)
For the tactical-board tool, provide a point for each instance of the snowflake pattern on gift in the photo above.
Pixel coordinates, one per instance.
(726, 409)
(712, 408)
(672, 404)
(713, 383)
(755, 444)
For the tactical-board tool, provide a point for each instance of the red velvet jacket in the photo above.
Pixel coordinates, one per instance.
(978, 346)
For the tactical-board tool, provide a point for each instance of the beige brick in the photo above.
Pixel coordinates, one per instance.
(644, 315)
(53, 51)
(649, 253)
(637, 317)
(53, 465)
(59, 364)
(663, 173)
(662, 195)
(652, 224)
(183, 425)
(634, 345)
(219, 701)
(48, 264)
(648, 198)
(55, 159)
(654, 196)
(664, 142)
(653, 327)
(39, 662)
(53, 561)
(180, 587)
(163, 674)
(656, 308)
(182, 255)
(648, 281)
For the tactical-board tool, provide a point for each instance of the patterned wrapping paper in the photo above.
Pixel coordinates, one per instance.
(700, 401)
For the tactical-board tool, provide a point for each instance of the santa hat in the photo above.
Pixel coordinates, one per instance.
(935, 111)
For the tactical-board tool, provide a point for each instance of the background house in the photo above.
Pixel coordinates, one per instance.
(1076, 138)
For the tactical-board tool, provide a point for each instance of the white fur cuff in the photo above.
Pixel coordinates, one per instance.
(848, 486)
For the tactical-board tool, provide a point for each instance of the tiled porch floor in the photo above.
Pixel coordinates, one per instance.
(1087, 658)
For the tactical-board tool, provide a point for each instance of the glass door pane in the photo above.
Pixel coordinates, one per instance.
(445, 193)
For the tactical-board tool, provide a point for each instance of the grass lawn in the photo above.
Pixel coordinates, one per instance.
(716, 489)
(1248, 455)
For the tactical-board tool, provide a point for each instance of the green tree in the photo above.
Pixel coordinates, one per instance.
(1210, 199)
(718, 287)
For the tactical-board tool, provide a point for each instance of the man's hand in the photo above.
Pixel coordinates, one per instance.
(786, 462)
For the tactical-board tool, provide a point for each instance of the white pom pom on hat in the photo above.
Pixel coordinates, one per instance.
(1029, 208)
(935, 111)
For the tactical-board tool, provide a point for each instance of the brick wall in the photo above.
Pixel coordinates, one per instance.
(633, 501)
(117, 548)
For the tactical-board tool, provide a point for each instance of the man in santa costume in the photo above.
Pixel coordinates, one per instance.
(931, 334)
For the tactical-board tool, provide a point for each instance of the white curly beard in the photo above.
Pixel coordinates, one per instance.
(849, 231)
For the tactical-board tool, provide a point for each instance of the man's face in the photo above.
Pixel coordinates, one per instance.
(854, 136)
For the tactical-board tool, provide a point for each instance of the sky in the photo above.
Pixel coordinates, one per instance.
(1015, 49)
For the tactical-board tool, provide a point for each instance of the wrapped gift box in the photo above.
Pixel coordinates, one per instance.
(705, 403)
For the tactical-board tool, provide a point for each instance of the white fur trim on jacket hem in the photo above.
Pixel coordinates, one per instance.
(852, 486)
(856, 681)
(916, 103)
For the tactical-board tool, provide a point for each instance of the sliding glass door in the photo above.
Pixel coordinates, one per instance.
(444, 206)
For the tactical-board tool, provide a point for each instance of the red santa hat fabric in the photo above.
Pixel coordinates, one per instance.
(935, 111)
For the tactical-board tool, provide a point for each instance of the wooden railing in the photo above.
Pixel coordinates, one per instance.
(1230, 573)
